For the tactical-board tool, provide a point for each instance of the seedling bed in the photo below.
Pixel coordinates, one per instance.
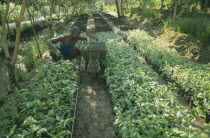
(82, 22)
(101, 24)
(120, 23)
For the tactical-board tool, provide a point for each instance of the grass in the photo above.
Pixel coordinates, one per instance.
(110, 7)
(30, 51)
(198, 27)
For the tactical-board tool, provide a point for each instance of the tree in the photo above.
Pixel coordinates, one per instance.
(142, 4)
(51, 13)
(11, 61)
(162, 4)
(33, 26)
(184, 6)
(205, 6)
(8, 28)
(118, 8)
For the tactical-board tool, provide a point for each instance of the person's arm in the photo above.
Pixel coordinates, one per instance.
(84, 38)
(50, 42)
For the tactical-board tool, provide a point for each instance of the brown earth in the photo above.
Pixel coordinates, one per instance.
(94, 113)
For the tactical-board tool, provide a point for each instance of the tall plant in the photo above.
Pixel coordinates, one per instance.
(33, 27)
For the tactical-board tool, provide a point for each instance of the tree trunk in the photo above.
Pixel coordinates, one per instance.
(175, 9)
(68, 9)
(121, 7)
(162, 4)
(182, 11)
(59, 14)
(17, 39)
(51, 29)
(8, 28)
(118, 10)
(43, 14)
(4, 30)
(11, 69)
(144, 4)
(33, 28)
(11, 72)
(34, 31)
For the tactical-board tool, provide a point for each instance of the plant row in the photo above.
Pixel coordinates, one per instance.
(192, 78)
(45, 107)
(143, 107)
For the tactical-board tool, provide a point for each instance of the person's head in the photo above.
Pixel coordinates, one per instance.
(75, 31)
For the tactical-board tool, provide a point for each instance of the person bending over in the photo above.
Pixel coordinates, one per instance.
(67, 45)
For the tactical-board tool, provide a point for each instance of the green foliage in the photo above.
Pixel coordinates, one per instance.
(191, 77)
(30, 51)
(151, 13)
(44, 108)
(143, 107)
(10, 45)
(19, 73)
(25, 26)
(40, 23)
(110, 7)
(196, 26)
(53, 18)
(67, 18)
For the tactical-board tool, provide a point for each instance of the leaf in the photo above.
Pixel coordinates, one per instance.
(200, 112)
(41, 131)
(11, 132)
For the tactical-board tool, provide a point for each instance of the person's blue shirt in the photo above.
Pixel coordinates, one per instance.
(66, 49)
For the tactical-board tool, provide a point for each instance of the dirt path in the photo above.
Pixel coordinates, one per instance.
(94, 113)
(94, 116)
(40, 18)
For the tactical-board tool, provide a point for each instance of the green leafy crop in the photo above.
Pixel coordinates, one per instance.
(143, 107)
(45, 107)
(193, 78)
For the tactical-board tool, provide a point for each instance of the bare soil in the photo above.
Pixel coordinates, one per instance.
(82, 22)
(94, 116)
(101, 24)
